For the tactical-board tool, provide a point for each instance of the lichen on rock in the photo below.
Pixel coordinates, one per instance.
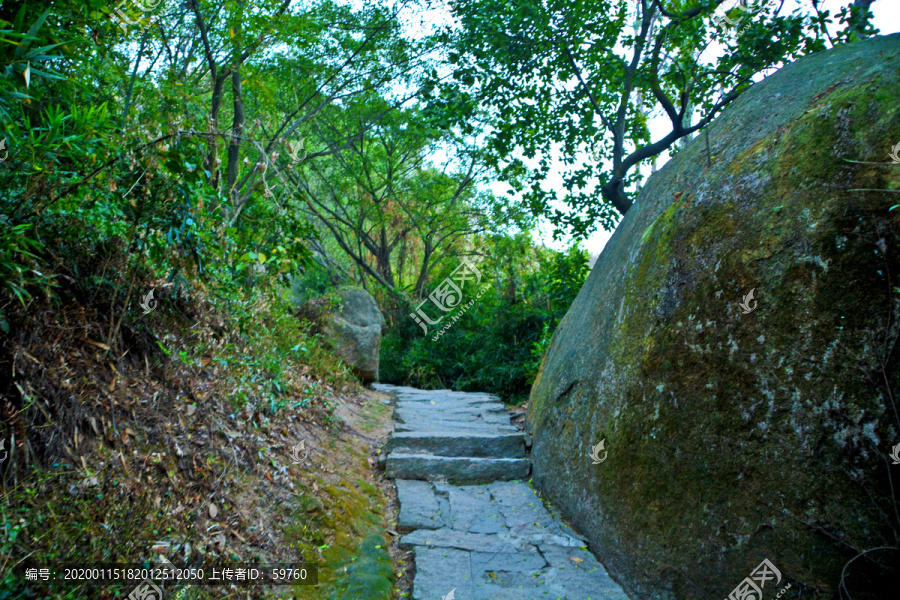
(738, 436)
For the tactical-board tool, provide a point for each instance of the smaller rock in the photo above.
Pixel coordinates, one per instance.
(354, 332)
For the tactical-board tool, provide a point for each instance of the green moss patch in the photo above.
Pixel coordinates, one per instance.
(343, 533)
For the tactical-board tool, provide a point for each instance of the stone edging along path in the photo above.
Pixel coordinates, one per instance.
(477, 530)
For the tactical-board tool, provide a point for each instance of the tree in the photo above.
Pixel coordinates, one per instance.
(338, 52)
(585, 75)
(394, 215)
(861, 17)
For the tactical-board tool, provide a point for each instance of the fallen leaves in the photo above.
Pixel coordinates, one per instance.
(168, 415)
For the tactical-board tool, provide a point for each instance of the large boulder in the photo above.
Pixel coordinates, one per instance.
(354, 332)
(741, 434)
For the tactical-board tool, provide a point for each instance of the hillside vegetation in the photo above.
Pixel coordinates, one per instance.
(181, 182)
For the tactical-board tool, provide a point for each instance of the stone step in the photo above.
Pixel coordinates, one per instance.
(455, 469)
(451, 425)
(427, 396)
(453, 408)
(493, 539)
(438, 422)
(460, 443)
(420, 416)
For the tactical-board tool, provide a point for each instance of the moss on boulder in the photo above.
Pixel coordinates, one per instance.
(736, 437)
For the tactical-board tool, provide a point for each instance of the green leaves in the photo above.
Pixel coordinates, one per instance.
(498, 342)
(18, 260)
(585, 79)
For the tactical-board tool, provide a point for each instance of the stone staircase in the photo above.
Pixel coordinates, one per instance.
(453, 436)
(492, 541)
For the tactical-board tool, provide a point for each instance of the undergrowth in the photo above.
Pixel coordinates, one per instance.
(344, 531)
(125, 426)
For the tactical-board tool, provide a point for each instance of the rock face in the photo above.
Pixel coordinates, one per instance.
(355, 332)
(741, 434)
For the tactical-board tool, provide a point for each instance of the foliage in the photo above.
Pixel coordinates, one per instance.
(584, 77)
(16, 252)
(262, 369)
(390, 215)
(111, 188)
(497, 344)
(565, 278)
(163, 157)
(231, 367)
(107, 150)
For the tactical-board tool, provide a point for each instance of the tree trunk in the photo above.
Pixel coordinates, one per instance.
(614, 193)
(237, 130)
(210, 163)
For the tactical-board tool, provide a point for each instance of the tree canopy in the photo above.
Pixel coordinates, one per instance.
(583, 78)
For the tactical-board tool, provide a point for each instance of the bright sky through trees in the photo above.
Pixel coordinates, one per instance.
(886, 18)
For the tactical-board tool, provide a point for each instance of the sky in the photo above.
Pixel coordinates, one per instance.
(886, 18)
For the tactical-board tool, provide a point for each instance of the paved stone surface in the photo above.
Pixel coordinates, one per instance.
(494, 541)
(454, 436)
(419, 508)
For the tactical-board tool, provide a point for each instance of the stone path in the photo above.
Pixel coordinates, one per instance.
(474, 526)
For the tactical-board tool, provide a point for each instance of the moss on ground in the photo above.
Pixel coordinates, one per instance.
(345, 536)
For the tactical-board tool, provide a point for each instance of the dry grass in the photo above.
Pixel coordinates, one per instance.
(175, 436)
